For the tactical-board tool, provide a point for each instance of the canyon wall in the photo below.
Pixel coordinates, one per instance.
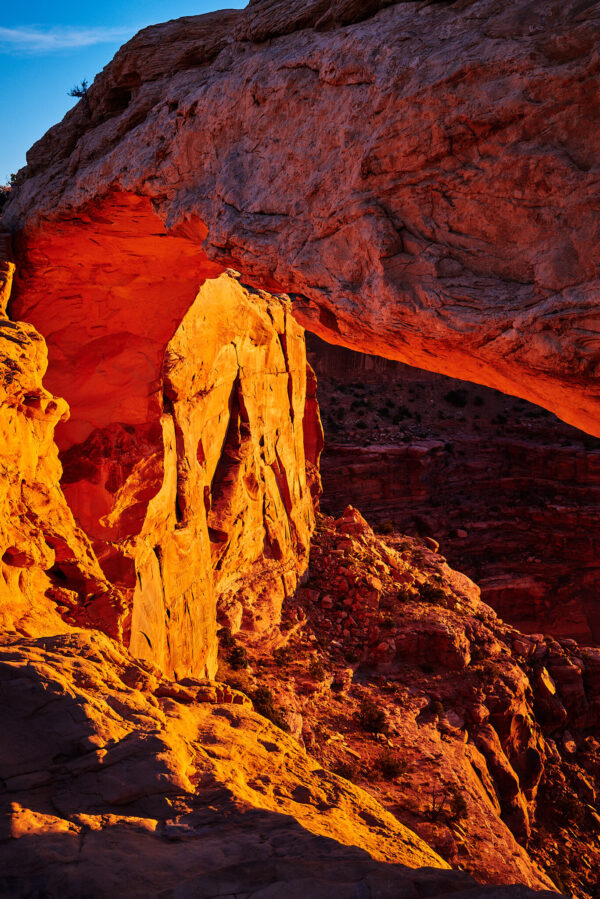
(115, 776)
(446, 216)
(411, 179)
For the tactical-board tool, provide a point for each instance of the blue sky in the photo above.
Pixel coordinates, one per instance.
(47, 48)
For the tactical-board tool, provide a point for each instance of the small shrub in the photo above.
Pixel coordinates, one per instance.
(386, 527)
(349, 770)
(447, 802)
(238, 658)
(437, 708)
(80, 91)
(225, 638)
(391, 764)
(458, 806)
(457, 398)
(404, 594)
(433, 594)
(265, 706)
(351, 656)
(317, 670)
(282, 655)
(372, 718)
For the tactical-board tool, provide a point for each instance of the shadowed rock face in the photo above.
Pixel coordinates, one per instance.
(423, 180)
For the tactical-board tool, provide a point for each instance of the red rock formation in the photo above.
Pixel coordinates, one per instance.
(386, 241)
(434, 198)
(431, 196)
(107, 786)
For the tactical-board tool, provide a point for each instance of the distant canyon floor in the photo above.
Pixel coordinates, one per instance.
(510, 492)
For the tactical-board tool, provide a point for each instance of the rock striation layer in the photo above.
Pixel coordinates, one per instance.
(431, 197)
(434, 198)
(207, 499)
(48, 570)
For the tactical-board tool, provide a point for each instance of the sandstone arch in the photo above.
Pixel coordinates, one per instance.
(423, 180)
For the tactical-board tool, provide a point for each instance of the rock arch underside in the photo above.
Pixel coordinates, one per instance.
(417, 180)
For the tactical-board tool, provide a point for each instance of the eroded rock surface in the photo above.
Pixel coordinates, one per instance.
(434, 198)
(49, 573)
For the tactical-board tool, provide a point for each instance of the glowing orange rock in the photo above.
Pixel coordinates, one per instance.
(47, 566)
(184, 454)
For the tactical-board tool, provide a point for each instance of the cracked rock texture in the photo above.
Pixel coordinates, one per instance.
(47, 564)
(432, 197)
(412, 179)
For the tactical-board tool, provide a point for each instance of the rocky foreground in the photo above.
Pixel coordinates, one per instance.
(115, 777)
(391, 712)
(396, 675)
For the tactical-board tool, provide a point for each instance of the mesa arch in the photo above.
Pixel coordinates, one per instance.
(420, 183)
